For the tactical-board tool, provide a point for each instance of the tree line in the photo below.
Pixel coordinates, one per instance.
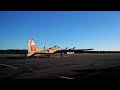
(24, 51)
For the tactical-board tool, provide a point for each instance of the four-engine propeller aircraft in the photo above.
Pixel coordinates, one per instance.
(33, 49)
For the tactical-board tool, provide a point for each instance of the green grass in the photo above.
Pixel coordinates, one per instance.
(11, 55)
(54, 55)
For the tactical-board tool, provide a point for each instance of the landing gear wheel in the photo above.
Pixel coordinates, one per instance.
(48, 56)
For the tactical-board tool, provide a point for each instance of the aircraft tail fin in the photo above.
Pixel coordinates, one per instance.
(32, 48)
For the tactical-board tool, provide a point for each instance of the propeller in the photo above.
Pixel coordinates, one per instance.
(74, 48)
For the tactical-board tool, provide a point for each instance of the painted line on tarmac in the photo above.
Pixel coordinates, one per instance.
(8, 65)
(66, 77)
(78, 66)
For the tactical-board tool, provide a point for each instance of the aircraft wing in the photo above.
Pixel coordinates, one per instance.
(64, 51)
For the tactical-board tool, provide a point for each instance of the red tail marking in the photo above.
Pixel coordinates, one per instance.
(31, 41)
(33, 48)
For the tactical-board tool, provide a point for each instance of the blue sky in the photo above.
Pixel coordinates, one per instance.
(83, 29)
